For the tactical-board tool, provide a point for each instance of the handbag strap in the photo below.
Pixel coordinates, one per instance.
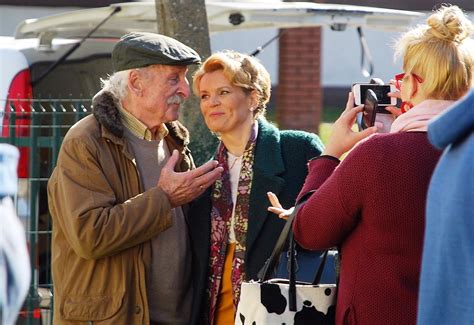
(292, 274)
(271, 263)
(319, 274)
(268, 269)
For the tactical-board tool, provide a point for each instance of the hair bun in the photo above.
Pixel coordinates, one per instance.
(450, 23)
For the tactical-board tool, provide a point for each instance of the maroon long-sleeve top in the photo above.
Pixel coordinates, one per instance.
(372, 207)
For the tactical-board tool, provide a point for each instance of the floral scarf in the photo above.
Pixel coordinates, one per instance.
(221, 215)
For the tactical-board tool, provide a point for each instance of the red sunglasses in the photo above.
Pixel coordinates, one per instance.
(399, 77)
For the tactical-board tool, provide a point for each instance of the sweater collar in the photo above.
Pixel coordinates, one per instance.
(139, 129)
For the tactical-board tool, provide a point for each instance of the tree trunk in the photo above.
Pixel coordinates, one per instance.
(186, 21)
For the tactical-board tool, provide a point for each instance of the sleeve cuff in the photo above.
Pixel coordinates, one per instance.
(326, 157)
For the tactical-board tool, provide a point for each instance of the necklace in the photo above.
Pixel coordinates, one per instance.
(234, 160)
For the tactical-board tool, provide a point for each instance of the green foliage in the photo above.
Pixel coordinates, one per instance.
(329, 115)
(325, 131)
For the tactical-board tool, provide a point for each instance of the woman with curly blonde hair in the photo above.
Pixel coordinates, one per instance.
(232, 233)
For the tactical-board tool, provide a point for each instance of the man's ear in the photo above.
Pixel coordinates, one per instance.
(135, 83)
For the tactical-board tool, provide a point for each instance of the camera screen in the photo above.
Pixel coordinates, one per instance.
(369, 112)
(379, 90)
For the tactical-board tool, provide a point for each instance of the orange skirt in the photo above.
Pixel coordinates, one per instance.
(225, 310)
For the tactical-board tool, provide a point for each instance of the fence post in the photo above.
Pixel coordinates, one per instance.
(33, 298)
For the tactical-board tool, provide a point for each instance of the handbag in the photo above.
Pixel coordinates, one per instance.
(286, 301)
(305, 264)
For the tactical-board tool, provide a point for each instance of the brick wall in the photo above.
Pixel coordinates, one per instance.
(299, 98)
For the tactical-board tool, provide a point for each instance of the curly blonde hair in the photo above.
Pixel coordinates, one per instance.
(242, 71)
(441, 53)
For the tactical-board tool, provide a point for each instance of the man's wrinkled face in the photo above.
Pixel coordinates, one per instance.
(164, 88)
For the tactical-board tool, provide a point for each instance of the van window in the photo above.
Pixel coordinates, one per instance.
(75, 79)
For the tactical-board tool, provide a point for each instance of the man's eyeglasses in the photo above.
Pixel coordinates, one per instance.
(399, 77)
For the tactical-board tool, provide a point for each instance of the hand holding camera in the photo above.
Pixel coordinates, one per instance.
(386, 110)
(370, 99)
(343, 138)
(394, 110)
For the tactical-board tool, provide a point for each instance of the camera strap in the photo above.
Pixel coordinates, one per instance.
(365, 53)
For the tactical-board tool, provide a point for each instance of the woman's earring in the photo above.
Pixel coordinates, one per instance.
(252, 109)
(406, 106)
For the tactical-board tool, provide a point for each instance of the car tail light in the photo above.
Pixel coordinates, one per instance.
(36, 313)
(19, 97)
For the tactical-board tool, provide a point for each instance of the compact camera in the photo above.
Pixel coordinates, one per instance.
(359, 90)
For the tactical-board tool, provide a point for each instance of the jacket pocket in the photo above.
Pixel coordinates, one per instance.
(86, 308)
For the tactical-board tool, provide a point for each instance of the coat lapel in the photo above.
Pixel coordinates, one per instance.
(268, 165)
(200, 225)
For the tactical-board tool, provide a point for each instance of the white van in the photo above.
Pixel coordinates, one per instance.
(39, 43)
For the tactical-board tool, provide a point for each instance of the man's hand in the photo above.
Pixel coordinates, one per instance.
(184, 187)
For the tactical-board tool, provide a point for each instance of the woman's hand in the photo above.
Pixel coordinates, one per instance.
(342, 137)
(396, 112)
(277, 208)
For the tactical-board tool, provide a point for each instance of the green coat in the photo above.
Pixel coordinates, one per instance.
(280, 166)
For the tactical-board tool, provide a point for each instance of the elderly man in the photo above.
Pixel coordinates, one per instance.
(118, 194)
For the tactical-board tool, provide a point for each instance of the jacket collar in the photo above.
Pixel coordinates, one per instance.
(268, 155)
(268, 166)
(455, 124)
(105, 110)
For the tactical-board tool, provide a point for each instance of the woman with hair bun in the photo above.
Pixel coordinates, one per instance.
(373, 204)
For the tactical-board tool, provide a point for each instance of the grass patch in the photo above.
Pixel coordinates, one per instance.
(329, 115)
(325, 131)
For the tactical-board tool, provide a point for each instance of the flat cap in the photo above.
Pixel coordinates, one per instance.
(138, 50)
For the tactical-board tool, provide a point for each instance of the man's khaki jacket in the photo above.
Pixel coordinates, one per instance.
(103, 221)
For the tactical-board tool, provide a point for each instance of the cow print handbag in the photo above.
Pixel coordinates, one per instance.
(286, 301)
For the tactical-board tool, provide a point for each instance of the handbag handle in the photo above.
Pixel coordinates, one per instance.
(270, 265)
(292, 274)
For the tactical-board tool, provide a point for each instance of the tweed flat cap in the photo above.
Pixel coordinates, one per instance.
(138, 50)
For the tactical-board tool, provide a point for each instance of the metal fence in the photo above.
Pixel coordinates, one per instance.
(37, 127)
